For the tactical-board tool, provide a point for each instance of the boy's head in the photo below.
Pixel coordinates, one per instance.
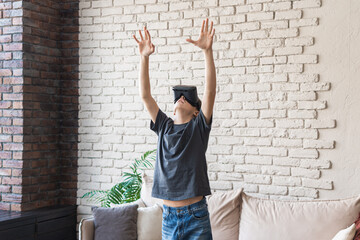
(186, 99)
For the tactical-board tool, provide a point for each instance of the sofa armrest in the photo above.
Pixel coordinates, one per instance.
(86, 229)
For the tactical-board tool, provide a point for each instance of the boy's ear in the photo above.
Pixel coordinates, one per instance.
(196, 113)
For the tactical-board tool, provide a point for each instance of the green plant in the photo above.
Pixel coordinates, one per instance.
(127, 190)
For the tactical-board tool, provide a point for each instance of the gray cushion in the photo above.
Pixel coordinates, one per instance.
(117, 223)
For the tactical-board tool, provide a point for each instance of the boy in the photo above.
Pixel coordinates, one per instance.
(180, 175)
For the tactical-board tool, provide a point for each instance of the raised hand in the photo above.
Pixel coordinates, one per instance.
(145, 46)
(206, 37)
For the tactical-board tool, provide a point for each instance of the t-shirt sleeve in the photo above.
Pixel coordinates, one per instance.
(201, 122)
(161, 118)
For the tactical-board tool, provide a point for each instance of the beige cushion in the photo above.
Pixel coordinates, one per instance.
(346, 234)
(295, 220)
(86, 229)
(149, 223)
(224, 211)
(146, 189)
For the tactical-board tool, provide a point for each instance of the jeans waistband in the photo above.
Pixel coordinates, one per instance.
(187, 208)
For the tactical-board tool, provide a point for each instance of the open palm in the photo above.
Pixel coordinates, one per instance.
(206, 36)
(145, 46)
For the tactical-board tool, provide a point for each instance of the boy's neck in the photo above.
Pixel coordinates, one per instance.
(182, 118)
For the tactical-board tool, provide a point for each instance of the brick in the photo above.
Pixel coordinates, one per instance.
(288, 68)
(287, 50)
(303, 153)
(283, 142)
(260, 123)
(249, 159)
(277, 190)
(272, 96)
(312, 104)
(290, 14)
(303, 77)
(246, 61)
(302, 172)
(299, 41)
(229, 176)
(289, 123)
(320, 123)
(286, 181)
(242, 8)
(259, 179)
(304, 22)
(303, 192)
(303, 133)
(262, 43)
(273, 77)
(275, 170)
(272, 60)
(239, 18)
(318, 164)
(281, 24)
(317, 183)
(283, 33)
(246, 26)
(273, 132)
(307, 4)
(303, 59)
(257, 87)
(259, 16)
(220, 167)
(276, 6)
(223, 185)
(322, 86)
(272, 114)
(246, 132)
(272, 151)
(254, 34)
(286, 161)
(247, 168)
(310, 95)
(302, 114)
(323, 144)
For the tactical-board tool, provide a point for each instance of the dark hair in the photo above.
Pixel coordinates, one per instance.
(199, 105)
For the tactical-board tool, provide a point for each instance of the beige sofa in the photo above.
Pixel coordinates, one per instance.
(237, 215)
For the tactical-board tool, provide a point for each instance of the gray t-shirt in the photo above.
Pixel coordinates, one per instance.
(181, 169)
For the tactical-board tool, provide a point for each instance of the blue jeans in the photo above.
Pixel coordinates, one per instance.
(190, 222)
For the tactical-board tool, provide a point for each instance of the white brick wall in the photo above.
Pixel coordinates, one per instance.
(266, 134)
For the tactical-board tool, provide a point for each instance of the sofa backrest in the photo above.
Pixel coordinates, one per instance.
(295, 220)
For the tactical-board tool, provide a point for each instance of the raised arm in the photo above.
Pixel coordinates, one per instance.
(205, 43)
(146, 48)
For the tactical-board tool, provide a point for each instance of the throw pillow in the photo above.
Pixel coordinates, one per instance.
(146, 189)
(118, 223)
(224, 210)
(149, 222)
(346, 234)
(295, 220)
(357, 226)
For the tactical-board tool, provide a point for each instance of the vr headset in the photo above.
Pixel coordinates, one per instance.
(190, 94)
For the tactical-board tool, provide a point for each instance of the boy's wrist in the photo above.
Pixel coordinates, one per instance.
(208, 50)
(144, 57)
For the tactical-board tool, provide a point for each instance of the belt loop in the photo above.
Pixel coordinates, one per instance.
(189, 209)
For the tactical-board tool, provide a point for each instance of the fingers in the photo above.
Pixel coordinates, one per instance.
(142, 39)
(148, 35)
(190, 40)
(211, 27)
(213, 33)
(206, 24)
(135, 38)
(202, 26)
